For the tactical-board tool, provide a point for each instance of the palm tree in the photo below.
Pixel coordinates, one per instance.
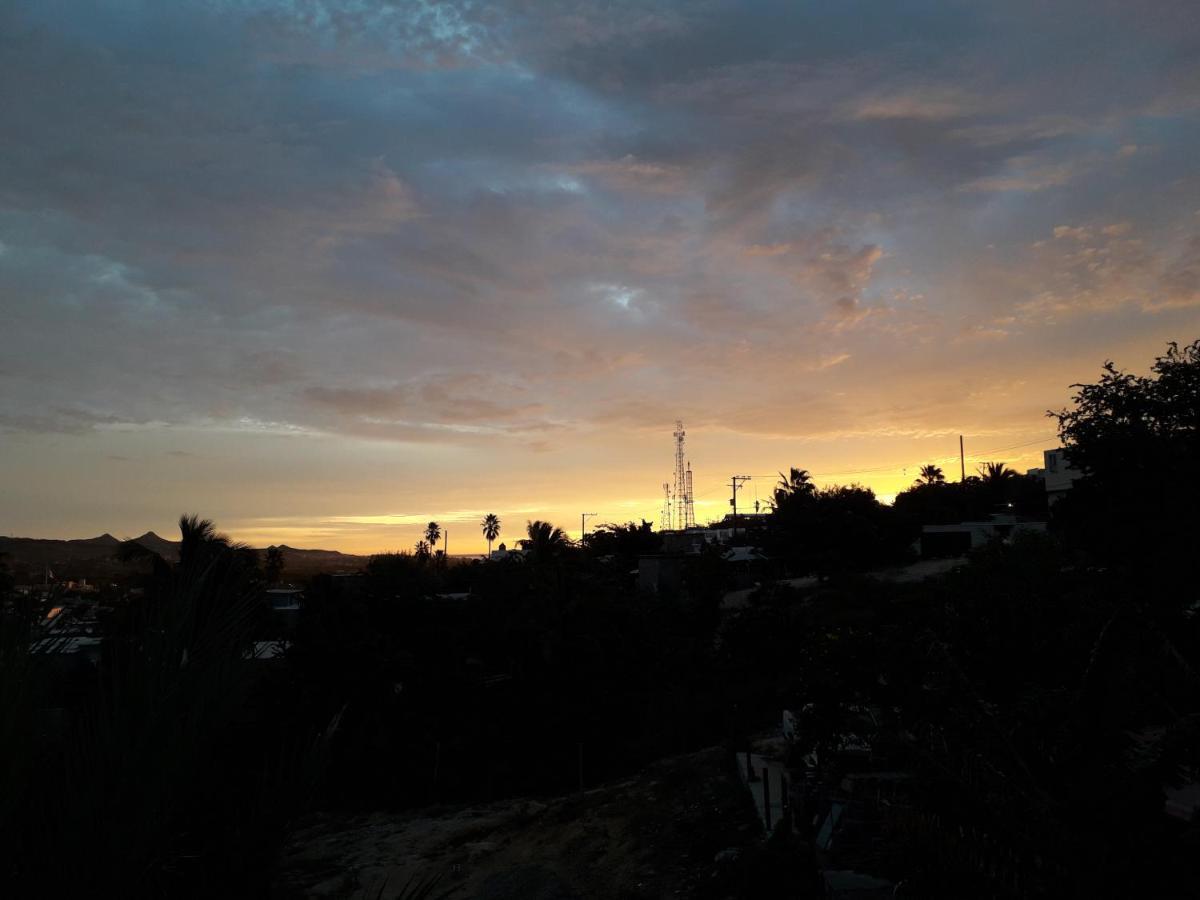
(995, 473)
(433, 533)
(797, 483)
(197, 539)
(545, 540)
(491, 530)
(421, 550)
(931, 474)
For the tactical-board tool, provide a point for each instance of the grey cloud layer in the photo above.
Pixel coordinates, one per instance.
(451, 222)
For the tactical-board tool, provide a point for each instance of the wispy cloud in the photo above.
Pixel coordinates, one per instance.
(505, 243)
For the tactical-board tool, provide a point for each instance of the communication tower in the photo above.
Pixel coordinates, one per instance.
(680, 478)
(678, 508)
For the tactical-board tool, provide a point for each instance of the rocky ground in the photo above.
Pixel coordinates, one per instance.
(685, 827)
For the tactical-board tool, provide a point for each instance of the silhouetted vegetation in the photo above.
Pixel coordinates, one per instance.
(153, 773)
(1136, 439)
(491, 529)
(833, 530)
(999, 490)
(1036, 702)
(273, 567)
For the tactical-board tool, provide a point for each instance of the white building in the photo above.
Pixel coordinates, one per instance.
(957, 539)
(1058, 474)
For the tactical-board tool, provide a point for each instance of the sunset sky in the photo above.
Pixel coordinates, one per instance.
(323, 271)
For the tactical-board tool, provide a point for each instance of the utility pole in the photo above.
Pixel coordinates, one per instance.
(446, 547)
(962, 461)
(735, 482)
(583, 517)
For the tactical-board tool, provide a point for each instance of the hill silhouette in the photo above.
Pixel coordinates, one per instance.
(96, 557)
(160, 545)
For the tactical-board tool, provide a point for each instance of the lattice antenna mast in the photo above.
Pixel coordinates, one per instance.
(665, 523)
(689, 506)
(681, 492)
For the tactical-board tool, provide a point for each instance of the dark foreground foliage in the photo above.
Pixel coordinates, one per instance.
(150, 774)
(1039, 700)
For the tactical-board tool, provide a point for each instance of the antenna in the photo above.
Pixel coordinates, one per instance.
(680, 478)
(679, 509)
(689, 509)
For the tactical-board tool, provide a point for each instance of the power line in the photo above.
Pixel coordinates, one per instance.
(891, 467)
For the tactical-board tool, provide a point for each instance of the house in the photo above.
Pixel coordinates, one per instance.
(691, 541)
(284, 603)
(284, 599)
(748, 566)
(502, 553)
(745, 555)
(955, 540)
(659, 573)
(1058, 473)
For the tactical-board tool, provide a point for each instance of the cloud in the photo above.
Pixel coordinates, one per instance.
(1095, 268)
(464, 230)
(1027, 173)
(364, 401)
(935, 102)
(56, 421)
(631, 174)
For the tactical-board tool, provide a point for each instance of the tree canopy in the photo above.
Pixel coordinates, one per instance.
(1136, 441)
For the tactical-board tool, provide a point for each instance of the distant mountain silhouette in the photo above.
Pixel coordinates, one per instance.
(155, 544)
(98, 556)
(37, 553)
(105, 540)
(293, 550)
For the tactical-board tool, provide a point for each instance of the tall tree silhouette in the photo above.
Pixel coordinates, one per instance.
(491, 529)
(1136, 439)
(433, 533)
(995, 473)
(545, 540)
(796, 484)
(199, 541)
(931, 474)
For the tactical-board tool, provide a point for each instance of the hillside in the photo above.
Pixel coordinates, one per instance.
(684, 827)
(99, 557)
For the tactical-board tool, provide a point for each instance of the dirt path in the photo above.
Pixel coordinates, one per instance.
(677, 829)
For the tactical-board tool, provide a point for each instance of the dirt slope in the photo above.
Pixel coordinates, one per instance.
(684, 827)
